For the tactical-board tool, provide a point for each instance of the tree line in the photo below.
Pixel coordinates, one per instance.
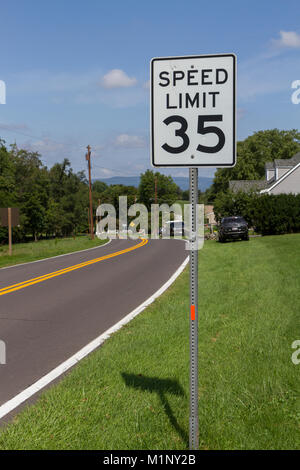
(54, 202)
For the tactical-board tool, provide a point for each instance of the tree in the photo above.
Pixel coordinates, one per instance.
(54, 218)
(51, 202)
(228, 203)
(70, 191)
(99, 186)
(32, 188)
(167, 190)
(7, 178)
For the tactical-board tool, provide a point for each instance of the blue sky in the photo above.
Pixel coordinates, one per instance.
(77, 73)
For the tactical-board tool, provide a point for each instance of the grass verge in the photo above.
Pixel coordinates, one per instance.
(32, 251)
(132, 393)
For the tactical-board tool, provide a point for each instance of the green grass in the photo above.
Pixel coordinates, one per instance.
(132, 393)
(32, 251)
(182, 203)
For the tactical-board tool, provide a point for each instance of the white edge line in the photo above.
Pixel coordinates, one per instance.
(10, 405)
(57, 256)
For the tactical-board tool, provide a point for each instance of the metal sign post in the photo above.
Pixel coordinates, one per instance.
(194, 423)
(193, 124)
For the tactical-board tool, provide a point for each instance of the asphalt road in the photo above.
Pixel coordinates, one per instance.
(44, 323)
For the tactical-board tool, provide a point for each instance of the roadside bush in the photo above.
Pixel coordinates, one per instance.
(277, 214)
(268, 214)
(240, 203)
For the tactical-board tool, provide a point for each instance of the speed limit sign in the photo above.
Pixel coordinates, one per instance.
(193, 111)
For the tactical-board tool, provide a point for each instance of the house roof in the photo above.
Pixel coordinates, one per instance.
(263, 185)
(272, 184)
(283, 162)
(208, 208)
(247, 185)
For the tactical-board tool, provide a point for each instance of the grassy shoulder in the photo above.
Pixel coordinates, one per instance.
(32, 251)
(132, 393)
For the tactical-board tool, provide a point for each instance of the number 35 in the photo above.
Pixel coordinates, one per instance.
(181, 132)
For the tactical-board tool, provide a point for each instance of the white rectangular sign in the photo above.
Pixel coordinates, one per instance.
(193, 111)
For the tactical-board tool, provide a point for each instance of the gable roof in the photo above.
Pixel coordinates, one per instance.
(269, 166)
(264, 186)
(275, 183)
(283, 162)
(247, 185)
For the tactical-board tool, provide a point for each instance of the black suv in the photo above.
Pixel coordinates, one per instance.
(233, 227)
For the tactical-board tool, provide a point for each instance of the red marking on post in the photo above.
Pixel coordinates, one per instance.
(193, 314)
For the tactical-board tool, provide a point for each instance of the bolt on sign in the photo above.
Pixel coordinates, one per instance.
(15, 216)
(193, 119)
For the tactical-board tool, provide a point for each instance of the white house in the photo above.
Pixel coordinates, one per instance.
(282, 177)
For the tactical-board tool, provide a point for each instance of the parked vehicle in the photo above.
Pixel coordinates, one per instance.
(232, 228)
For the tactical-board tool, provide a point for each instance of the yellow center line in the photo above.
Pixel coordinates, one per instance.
(30, 282)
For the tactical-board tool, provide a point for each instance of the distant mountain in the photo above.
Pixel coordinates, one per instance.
(181, 181)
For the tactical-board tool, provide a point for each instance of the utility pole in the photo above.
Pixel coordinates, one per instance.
(88, 213)
(98, 218)
(88, 158)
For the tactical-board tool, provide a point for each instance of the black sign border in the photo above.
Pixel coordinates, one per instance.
(193, 165)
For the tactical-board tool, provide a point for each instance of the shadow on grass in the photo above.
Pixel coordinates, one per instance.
(161, 387)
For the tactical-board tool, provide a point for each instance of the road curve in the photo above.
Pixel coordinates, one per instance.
(44, 323)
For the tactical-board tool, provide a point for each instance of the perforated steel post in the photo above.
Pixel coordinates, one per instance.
(194, 423)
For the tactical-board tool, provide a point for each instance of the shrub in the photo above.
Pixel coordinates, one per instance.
(277, 214)
(268, 214)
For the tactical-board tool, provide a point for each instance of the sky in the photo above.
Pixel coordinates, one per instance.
(77, 73)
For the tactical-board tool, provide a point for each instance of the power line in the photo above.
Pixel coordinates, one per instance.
(32, 136)
(114, 170)
(74, 146)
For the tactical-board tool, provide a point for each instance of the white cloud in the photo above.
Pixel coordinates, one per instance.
(129, 141)
(48, 145)
(288, 39)
(115, 89)
(101, 172)
(13, 127)
(265, 76)
(51, 150)
(119, 98)
(116, 78)
(240, 113)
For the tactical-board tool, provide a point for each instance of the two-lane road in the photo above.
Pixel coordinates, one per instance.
(52, 308)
